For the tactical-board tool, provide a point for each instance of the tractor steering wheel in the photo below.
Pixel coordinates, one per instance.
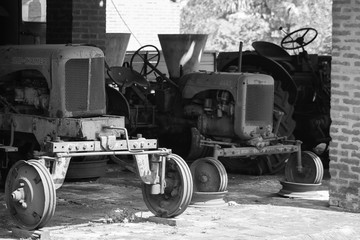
(288, 42)
(143, 60)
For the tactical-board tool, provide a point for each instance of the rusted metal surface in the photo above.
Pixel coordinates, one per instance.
(309, 170)
(253, 151)
(96, 146)
(299, 190)
(177, 192)
(4, 151)
(59, 66)
(236, 114)
(30, 194)
(148, 171)
(58, 171)
(18, 57)
(59, 110)
(45, 128)
(209, 175)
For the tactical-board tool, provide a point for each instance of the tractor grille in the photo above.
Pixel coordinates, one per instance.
(97, 97)
(83, 86)
(76, 84)
(259, 99)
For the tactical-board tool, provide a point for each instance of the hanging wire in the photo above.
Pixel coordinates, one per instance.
(127, 26)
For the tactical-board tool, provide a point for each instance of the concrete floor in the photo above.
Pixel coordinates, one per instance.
(252, 210)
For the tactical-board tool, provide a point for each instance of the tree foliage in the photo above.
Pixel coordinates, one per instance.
(227, 22)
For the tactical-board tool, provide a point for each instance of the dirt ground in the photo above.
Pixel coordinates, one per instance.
(111, 207)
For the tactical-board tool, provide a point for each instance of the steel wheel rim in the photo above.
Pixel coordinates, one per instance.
(177, 197)
(36, 195)
(313, 169)
(319, 167)
(51, 192)
(223, 173)
(209, 175)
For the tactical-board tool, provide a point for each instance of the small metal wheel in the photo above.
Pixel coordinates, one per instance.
(144, 59)
(178, 190)
(209, 175)
(312, 168)
(30, 194)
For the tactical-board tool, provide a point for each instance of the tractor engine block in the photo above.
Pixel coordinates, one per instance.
(31, 96)
(214, 113)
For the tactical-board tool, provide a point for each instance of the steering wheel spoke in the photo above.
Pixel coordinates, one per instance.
(155, 56)
(307, 30)
(286, 42)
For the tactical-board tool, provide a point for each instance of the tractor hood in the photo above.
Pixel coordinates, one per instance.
(74, 75)
(39, 57)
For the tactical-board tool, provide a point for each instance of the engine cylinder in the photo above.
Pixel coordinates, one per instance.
(214, 126)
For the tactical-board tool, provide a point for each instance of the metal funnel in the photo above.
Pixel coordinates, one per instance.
(182, 52)
(115, 48)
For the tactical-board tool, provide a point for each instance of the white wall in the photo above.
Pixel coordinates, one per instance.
(144, 19)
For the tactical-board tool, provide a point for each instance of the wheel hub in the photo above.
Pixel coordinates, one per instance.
(23, 193)
(203, 178)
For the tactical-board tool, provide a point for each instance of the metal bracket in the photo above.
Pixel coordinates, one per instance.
(112, 139)
(59, 170)
(152, 171)
(238, 151)
(108, 142)
(279, 114)
(148, 175)
(299, 166)
(5, 150)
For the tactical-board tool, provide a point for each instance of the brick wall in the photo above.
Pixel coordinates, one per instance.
(345, 106)
(76, 21)
(144, 19)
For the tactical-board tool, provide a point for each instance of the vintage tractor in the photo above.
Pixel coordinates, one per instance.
(52, 110)
(305, 86)
(210, 118)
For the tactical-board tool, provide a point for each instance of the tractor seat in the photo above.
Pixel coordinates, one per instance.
(271, 50)
(274, 52)
(126, 77)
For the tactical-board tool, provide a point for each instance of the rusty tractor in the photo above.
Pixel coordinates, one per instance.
(53, 110)
(304, 86)
(209, 118)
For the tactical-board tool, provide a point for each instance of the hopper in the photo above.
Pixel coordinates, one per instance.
(182, 52)
(115, 48)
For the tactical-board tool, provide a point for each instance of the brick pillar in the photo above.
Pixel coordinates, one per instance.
(345, 106)
(76, 21)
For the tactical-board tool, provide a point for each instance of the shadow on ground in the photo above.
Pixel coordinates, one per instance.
(254, 202)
